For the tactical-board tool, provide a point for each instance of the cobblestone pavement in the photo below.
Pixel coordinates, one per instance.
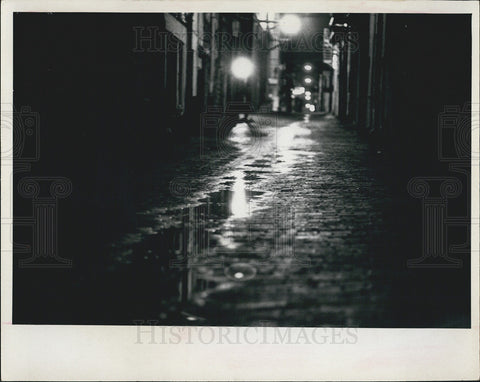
(293, 224)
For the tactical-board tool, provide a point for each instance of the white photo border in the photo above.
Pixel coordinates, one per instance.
(64, 352)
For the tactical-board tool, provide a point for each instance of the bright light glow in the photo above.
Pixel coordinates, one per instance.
(239, 205)
(266, 26)
(308, 80)
(308, 93)
(241, 271)
(291, 145)
(312, 108)
(308, 98)
(307, 105)
(307, 67)
(265, 18)
(290, 24)
(298, 90)
(242, 67)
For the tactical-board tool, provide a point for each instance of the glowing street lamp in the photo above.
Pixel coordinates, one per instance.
(242, 67)
(308, 80)
(267, 20)
(298, 90)
(307, 67)
(290, 24)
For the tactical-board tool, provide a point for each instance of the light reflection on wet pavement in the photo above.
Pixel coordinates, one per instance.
(292, 230)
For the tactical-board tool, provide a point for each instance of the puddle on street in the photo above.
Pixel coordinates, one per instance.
(190, 257)
(207, 252)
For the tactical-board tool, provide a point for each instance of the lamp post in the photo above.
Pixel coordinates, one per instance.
(280, 30)
(289, 24)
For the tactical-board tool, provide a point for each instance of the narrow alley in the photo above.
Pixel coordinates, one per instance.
(232, 169)
(226, 180)
(301, 227)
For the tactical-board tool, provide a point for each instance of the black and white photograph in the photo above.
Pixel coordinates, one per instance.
(249, 176)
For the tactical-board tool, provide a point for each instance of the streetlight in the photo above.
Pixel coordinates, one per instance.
(290, 24)
(308, 80)
(267, 20)
(307, 67)
(298, 90)
(242, 67)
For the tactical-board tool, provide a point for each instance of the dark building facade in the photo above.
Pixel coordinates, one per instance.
(119, 94)
(394, 75)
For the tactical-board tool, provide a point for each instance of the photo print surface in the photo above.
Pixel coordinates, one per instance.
(242, 169)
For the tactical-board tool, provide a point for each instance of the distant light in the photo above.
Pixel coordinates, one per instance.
(312, 108)
(307, 67)
(308, 93)
(298, 90)
(308, 80)
(308, 98)
(242, 67)
(290, 24)
(307, 105)
(238, 275)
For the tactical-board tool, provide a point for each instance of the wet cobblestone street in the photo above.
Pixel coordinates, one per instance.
(296, 222)
(293, 225)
